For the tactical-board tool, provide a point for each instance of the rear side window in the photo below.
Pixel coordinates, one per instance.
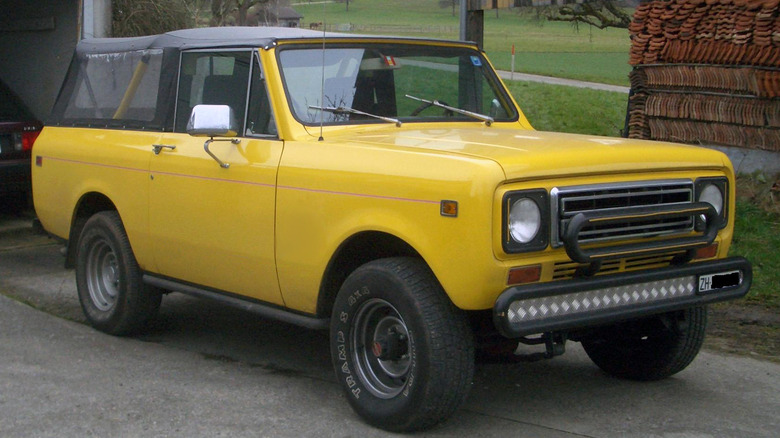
(116, 88)
(213, 78)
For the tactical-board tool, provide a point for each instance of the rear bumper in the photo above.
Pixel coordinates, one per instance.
(592, 301)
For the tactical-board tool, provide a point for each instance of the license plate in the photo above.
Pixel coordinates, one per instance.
(719, 281)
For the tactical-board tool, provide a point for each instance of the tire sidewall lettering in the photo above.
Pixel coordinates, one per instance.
(413, 366)
(344, 352)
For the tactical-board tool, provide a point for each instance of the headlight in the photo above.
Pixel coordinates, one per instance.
(713, 191)
(712, 195)
(526, 217)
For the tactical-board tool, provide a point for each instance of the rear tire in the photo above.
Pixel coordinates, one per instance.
(111, 292)
(402, 352)
(649, 349)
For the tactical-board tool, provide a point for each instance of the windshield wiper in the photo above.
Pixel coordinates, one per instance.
(487, 119)
(347, 110)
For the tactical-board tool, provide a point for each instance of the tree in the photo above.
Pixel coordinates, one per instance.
(235, 12)
(220, 12)
(598, 13)
(449, 3)
(148, 17)
(242, 6)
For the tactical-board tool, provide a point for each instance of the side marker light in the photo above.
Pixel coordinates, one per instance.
(449, 208)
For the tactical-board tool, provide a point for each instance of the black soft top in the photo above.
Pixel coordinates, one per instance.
(94, 93)
(212, 37)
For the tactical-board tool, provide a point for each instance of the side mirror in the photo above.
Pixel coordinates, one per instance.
(212, 121)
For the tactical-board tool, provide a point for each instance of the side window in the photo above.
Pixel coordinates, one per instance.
(116, 88)
(260, 117)
(214, 78)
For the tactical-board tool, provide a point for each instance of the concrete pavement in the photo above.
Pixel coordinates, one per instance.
(206, 370)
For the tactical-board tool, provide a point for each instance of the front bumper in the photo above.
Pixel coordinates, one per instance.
(592, 301)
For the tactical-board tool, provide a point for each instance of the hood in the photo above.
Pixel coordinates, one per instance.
(525, 154)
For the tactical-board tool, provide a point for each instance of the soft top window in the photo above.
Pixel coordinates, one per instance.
(113, 89)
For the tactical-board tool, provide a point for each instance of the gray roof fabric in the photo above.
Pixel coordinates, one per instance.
(200, 38)
(211, 37)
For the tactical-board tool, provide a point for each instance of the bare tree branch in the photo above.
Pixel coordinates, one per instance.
(598, 13)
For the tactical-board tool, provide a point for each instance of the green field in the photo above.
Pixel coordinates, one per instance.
(541, 47)
(757, 238)
(569, 109)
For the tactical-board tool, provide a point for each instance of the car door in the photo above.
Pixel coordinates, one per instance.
(213, 226)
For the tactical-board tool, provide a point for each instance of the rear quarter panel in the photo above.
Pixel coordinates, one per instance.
(69, 163)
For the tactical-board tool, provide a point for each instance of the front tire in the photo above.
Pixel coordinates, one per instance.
(111, 292)
(649, 349)
(402, 352)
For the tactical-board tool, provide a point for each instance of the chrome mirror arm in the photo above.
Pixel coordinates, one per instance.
(222, 164)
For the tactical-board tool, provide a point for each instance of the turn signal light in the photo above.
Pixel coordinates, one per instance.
(707, 252)
(525, 274)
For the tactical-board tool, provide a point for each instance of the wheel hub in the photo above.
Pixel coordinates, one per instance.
(391, 345)
(103, 276)
(381, 346)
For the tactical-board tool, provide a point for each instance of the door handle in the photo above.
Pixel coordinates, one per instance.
(158, 147)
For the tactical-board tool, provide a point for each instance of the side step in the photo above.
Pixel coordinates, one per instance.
(265, 310)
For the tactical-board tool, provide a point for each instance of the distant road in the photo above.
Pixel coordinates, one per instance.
(506, 75)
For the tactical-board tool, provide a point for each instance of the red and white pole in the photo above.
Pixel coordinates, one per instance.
(512, 76)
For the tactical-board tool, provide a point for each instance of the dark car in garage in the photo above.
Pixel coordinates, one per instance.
(18, 130)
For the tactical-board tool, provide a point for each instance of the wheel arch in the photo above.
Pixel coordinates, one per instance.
(89, 204)
(354, 252)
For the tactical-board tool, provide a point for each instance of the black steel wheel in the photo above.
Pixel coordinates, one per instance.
(402, 352)
(111, 292)
(649, 349)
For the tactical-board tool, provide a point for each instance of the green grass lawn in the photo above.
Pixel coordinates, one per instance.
(569, 109)
(757, 238)
(541, 47)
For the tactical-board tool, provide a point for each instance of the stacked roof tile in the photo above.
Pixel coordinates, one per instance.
(706, 71)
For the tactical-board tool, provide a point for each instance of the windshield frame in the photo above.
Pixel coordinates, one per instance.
(488, 75)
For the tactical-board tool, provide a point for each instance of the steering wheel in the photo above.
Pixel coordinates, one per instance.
(427, 105)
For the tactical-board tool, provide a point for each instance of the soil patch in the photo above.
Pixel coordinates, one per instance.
(744, 328)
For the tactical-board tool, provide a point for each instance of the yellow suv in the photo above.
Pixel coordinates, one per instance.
(387, 189)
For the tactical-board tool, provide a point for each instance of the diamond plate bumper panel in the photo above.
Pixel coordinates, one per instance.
(584, 302)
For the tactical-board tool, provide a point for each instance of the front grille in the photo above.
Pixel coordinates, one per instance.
(566, 270)
(567, 202)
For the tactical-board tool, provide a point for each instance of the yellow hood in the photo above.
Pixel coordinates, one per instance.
(535, 154)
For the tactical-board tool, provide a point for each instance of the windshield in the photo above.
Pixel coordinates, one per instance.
(389, 80)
